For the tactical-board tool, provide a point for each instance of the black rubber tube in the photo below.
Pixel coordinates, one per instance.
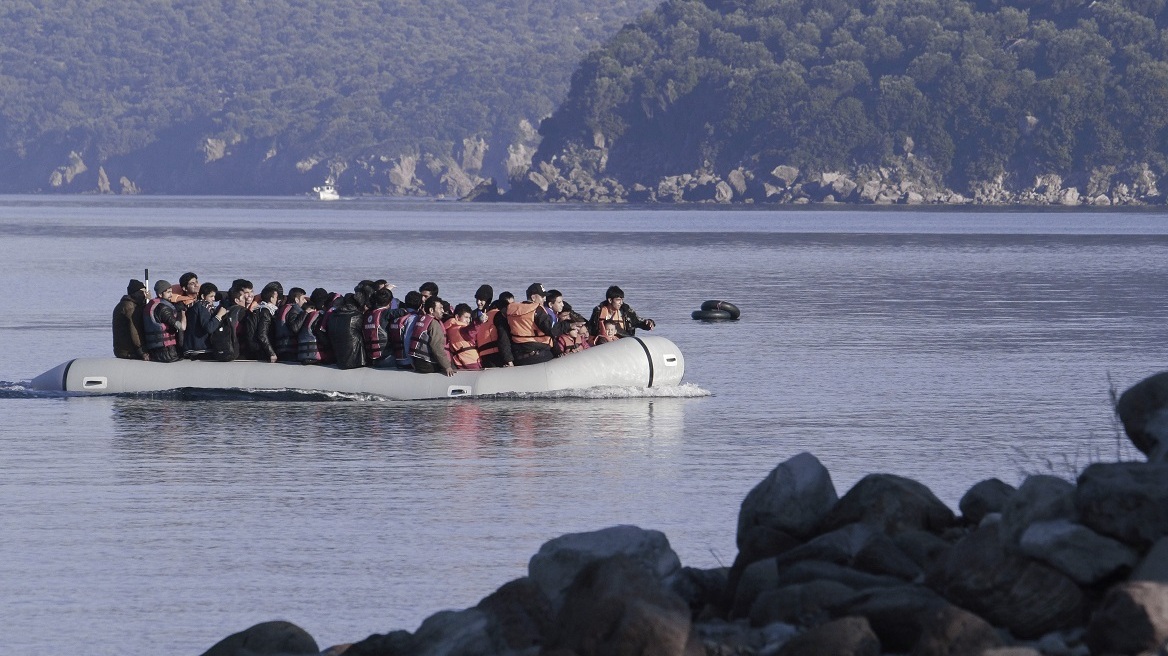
(712, 315)
(649, 356)
(725, 306)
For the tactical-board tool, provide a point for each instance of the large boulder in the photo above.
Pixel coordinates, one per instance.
(1039, 498)
(1132, 619)
(521, 615)
(456, 633)
(760, 542)
(757, 578)
(559, 561)
(859, 546)
(1005, 587)
(615, 607)
(793, 499)
(988, 496)
(896, 615)
(805, 571)
(924, 548)
(699, 587)
(850, 636)
(738, 182)
(804, 604)
(892, 504)
(1125, 500)
(785, 175)
(953, 631)
(266, 638)
(1076, 550)
(1143, 409)
(1154, 566)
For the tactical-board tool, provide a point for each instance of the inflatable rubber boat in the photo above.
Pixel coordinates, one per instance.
(628, 362)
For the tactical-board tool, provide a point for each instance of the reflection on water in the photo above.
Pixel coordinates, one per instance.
(160, 427)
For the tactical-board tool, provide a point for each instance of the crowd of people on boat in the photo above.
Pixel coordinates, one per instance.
(369, 326)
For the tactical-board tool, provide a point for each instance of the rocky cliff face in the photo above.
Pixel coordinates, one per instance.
(191, 161)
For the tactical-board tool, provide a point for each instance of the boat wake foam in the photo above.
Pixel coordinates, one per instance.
(683, 391)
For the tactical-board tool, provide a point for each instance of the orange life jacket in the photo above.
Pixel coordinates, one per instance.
(487, 335)
(572, 344)
(521, 321)
(609, 314)
(461, 346)
(181, 296)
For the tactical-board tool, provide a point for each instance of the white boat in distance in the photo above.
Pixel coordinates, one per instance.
(327, 191)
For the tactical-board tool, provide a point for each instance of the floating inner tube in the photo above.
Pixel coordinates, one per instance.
(712, 315)
(725, 306)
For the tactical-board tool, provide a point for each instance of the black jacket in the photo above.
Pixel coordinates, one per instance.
(260, 334)
(201, 322)
(344, 333)
(128, 329)
(631, 320)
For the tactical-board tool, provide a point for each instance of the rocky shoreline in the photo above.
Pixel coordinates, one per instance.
(582, 175)
(1050, 567)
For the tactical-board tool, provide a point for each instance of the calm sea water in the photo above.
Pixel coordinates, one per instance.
(945, 346)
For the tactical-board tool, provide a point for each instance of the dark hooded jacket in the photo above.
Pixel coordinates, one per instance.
(344, 334)
(128, 329)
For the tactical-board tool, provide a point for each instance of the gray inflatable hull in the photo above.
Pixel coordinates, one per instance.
(630, 362)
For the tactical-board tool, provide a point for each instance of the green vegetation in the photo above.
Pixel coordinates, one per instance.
(317, 79)
(978, 87)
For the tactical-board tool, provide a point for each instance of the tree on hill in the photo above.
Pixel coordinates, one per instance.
(310, 80)
(974, 88)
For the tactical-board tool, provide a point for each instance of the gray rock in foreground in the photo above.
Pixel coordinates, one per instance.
(276, 638)
(1125, 500)
(792, 499)
(1143, 409)
(559, 561)
(893, 504)
(988, 496)
(1076, 550)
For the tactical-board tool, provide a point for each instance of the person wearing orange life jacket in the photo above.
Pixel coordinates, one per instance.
(287, 323)
(186, 292)
(163, 325)
(614, 309)
(608, 335)
(307, 348)
(425, 340)
(410, 309)
(492, 339)
(379, 327)
(532, 332)
(460, 339)
(576, 339)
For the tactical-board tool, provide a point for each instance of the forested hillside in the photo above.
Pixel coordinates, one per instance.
(872, 100)
(223, 96)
